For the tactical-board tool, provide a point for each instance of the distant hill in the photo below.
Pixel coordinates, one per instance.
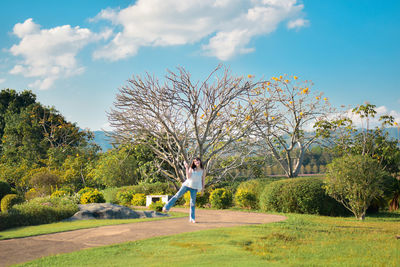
(102, 140)
(393, 132)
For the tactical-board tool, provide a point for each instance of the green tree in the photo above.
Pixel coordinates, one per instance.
(117, 167)
(346, 139)
(34, 136)
(13, 102)
(354, 181)
(76, 168)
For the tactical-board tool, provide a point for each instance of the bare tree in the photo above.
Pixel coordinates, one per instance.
(179, 119)
(284, 113)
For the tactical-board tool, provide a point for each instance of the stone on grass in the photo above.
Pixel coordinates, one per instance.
(110, 211)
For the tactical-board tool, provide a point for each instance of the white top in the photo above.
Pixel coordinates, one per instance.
(195, 180)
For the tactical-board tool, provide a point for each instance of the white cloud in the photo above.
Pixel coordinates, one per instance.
(298, 23)
(373, 122)
(2, 80)
(49, 54)
(226, 26)
(106, 127)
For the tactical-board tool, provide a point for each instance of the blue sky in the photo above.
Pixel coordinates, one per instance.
(74, 55)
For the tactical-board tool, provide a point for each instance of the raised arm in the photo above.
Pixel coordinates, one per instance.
(188, 172)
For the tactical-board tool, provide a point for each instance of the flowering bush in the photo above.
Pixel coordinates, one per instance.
(92, 197)
(138, 200)
(245, 199)
(8, 201)
(221, 198)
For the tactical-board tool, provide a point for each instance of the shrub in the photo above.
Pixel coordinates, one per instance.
(124, 197)
(110, 194)
(246, 199)
(9, 200)
(138, 199)
(68, 189)
(38, 211)
(34, 193)
(47, 181)
(5, 189)
(253, 187)
(124, 194)
(157, 206)
(221, 198)
(92, 197)
(85, 190)
(299, 195)
(153, 189)
(59, 193)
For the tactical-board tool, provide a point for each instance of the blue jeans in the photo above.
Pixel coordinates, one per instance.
(180, 193)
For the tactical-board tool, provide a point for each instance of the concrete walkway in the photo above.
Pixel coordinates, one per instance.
(21, 250)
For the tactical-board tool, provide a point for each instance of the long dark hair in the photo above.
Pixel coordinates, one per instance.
(193, 166)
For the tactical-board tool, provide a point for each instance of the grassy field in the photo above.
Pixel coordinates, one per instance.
(302, 240)
(69, 226)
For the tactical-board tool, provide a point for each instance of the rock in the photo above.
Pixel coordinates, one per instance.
(110, 211)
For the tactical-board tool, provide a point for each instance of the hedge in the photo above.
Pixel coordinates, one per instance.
(300, 195)
(38, 211)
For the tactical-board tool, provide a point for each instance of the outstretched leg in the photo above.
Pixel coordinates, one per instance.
(172, 201)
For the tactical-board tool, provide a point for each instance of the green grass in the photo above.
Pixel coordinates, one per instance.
(302, 240)
(50, 228)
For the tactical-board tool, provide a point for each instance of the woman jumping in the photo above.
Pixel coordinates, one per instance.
(195, 176)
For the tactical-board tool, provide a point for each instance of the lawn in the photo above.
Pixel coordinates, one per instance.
(302, 240)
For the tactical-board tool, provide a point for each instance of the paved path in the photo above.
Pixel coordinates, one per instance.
(20, 250)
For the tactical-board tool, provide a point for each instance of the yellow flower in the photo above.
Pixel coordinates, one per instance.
(396, 123)
(218, 114)
(265, 114)
(301, 113)
(305, 90)
(272, 118)
(290, 102)
(317, 97)
(295, 77)
(280, 77)
(202, 116)
(286, 81)
(248, 117)
(325, 98)
(77, 155)
(250, 76)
